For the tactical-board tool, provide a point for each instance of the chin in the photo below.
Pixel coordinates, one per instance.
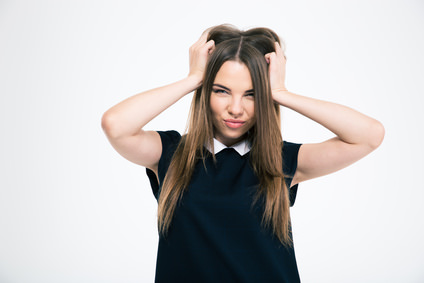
(235, 137)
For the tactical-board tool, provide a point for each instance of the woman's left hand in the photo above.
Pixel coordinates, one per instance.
(277, 70)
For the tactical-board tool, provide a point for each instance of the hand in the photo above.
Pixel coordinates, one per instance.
(199, 53)
(277, 69)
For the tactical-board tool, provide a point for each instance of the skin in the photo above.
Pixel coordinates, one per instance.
(232, 103)
(356, 134)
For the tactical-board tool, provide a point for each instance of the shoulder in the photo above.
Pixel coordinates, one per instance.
(170, 141)
(169, 137)
(290, 147)
(290, 153)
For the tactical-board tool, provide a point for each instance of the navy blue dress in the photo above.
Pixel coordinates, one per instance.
(216, 233)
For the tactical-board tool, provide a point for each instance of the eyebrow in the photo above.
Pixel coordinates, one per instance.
(226, 88)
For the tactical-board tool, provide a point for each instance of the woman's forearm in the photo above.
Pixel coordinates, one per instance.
(129, 116)
(349, 125)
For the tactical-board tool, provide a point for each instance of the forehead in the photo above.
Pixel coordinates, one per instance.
(235, 76)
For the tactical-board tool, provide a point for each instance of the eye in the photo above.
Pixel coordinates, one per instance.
(250, 94)
(219, 91)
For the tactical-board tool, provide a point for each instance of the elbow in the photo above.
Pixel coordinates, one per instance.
(376, 136)
(107, 123)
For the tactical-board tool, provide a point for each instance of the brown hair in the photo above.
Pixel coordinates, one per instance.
(249, 48)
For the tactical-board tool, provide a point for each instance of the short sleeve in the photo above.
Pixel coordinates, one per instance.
(290, 153)
(170, 141)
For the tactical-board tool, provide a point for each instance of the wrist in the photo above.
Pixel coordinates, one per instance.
(280, 95)
(278, 90)
(196, 79)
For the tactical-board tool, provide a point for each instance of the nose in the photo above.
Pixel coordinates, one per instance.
(235, 107)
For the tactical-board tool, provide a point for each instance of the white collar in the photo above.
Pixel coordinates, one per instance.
(241, 147)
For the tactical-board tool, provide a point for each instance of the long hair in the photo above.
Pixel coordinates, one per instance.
(249, 48)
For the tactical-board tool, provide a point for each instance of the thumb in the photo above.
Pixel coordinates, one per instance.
(269, 57)
(210, 46)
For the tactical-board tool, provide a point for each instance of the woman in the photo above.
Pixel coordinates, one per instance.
(224, 188)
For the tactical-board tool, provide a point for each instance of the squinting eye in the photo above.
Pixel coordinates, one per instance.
(250, 94)
(219, 90)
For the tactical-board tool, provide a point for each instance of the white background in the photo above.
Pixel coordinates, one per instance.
(73, 210)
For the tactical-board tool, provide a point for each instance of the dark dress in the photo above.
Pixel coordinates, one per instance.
(216, 233)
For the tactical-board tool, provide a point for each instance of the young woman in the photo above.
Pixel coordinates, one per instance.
(225, 187)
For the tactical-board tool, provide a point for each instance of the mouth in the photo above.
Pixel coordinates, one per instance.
(234, 124)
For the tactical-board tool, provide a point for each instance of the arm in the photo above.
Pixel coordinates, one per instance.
(123, 122)
(356, 134)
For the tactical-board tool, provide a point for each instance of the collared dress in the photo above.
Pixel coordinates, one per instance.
(216, 234)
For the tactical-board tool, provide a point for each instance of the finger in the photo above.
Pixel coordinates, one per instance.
(203, 40)
(203, 37)
(279, 51)
(277, 46)
(206, 32)
(210, 45)
(269, 57)
(200, 41)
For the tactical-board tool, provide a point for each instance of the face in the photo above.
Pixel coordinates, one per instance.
(232, 103)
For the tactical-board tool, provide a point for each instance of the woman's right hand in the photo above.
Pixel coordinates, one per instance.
(199, 53)
(124, 122)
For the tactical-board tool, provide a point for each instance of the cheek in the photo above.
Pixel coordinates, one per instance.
(250, 108)
(215, 105)
(214, 112)
(212, 106)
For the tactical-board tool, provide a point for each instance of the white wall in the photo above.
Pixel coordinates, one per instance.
(73, 210)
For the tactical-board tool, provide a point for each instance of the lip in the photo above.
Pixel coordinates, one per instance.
(233, 123)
